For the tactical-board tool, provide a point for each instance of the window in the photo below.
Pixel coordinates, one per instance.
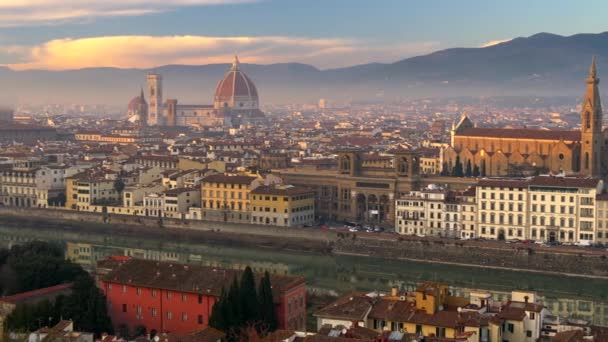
(124, 308)
(169, 295)
(528, 333)
(200, 299)
(124, 289)
(200, 319)
(169, 315)
(184, 297)
(153, 292)
(184, 316)
(153, 312)
(139, 291)
(532, 315)
(510, 327)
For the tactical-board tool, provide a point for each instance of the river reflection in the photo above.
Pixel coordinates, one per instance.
(572, 297)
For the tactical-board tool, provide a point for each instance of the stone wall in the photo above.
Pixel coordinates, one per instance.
(508, 256)
(467, 253)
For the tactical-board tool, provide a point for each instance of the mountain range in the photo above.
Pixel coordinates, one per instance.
(540, 65)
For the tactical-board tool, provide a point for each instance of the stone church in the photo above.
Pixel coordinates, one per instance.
(522, 152)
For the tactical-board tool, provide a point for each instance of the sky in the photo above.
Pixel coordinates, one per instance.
(73, 34)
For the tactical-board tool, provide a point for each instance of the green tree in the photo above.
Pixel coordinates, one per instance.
(266, 304)
(457, 170)
(37, 265)
(445, 169)
(218, 317)
(119, 185)
(232, 311)
(248, 299)
(86, 306)
(476, 172)
(468, 170)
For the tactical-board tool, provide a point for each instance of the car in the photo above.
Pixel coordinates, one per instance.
(378, 229)
(353, 229)
(324, 227)
(539, 242)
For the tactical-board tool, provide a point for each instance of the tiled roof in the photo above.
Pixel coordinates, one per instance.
(187, 278)
(568, 182)
(537, 134)
(229, 179)
(281, 191)
(20, 297)
(352, 308)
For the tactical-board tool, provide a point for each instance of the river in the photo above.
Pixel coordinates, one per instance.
(573, 297)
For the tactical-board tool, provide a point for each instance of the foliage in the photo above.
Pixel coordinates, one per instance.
(457, 170)
(242, 308)
(476, 172)
(469, 170)
(36, 265)
(119, 185)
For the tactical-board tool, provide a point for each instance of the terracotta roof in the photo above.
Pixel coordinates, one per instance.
(503, 182)
(235, 83)
(20, 297)
(229, 179)
(568, 182)
(353, 307)
(568, 336)
(281, 191)
(537, 134)
(187, 278)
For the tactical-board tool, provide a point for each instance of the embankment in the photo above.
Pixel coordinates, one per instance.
(565, 261)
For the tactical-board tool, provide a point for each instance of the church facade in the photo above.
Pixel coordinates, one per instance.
(523, 152)
(236, 102)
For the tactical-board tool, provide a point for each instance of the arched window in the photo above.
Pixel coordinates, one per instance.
(587, 120)
(586, 160)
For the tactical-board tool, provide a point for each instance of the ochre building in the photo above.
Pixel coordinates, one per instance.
(520, 152)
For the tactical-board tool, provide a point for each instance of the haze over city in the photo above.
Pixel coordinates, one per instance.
(303, 171)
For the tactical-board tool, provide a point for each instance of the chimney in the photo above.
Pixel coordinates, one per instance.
(526, 298)
(394, 291)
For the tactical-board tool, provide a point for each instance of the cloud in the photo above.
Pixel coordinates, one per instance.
(54, 12)
(495, 42)
(153, 51)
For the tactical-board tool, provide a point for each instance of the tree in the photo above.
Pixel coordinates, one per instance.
(266, 303)
(218, 318)
(248, 299)
(86, 306)
(476, 172)
(445, 169)
(119, 185)
(457, 170)
(39, 264)
(469, 170)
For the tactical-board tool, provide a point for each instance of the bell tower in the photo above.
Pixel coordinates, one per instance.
(155, 105)
(591, 127)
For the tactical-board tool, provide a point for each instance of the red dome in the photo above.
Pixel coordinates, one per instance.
(235, 84)
(135, 104)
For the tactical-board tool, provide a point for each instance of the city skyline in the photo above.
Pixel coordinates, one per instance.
(57, 35)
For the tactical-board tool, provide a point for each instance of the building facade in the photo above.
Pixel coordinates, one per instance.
(179, 298)
(283, 205)
(523, 152)
(227, 197)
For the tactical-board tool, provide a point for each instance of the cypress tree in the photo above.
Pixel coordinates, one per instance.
(232, 313)
(217, 318)
(469, 171)
(476, 172)
(248, 297)
(266, 302)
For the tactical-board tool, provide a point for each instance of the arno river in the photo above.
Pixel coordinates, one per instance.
(574, 297)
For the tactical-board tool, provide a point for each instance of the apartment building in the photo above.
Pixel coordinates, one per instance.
(423, 212)
(28, 184)
(227, 197)
(543, 208)
(90, 188)
(283, 205)
(502, 208)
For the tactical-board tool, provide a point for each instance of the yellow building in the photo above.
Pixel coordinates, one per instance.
(283, 205)
(227, 197)
(90, 188)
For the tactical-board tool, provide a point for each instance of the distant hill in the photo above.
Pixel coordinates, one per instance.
(539, 65)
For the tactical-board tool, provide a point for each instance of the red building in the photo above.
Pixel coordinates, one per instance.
(178, 298)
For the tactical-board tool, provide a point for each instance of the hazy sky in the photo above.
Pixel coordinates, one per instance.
(66, 34)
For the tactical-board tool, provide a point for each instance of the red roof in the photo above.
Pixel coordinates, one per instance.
(20, 297)
(235, 84)
(538, 134)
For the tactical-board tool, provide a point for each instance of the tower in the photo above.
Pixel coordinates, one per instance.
(591, 127)
(155, 107)
(143, 110)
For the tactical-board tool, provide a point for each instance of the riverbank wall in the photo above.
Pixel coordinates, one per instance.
(572, 262)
